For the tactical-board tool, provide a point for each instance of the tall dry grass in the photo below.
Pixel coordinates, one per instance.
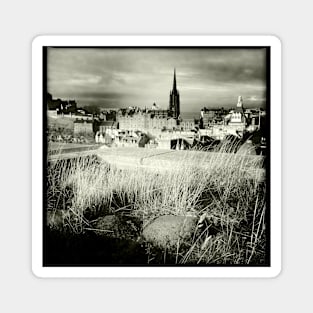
(222, 189)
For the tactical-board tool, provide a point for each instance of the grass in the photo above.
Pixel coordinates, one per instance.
(65, 124)
(226, 196)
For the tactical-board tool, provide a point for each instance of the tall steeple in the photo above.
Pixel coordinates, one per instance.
(174, 105)
(174, 81)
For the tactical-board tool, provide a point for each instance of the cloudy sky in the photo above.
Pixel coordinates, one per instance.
(139, 77)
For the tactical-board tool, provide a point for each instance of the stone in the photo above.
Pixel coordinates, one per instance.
(165, 231)
(116, 227)
(107, 225)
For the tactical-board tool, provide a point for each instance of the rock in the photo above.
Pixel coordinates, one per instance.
(165, 231)
(107, 225)
(116, 227)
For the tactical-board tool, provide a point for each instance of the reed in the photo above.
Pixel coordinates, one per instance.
(222, 189)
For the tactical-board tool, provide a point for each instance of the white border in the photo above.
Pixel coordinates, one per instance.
(149, 272)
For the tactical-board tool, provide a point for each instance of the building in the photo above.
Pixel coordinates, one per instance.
(145, 121)
(104, 126)
(159, 123)
(212, 116)
(237, 120)
(237, 115)
(83, 127)
(61, 106)
(187, 124)
(137, 121)
(236, 123)
(108, 115)
(159, 113)
(207, 117)
(174, 105)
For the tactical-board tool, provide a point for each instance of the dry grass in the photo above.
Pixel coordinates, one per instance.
(229, 203)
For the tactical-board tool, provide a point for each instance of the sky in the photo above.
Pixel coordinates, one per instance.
(115, 77)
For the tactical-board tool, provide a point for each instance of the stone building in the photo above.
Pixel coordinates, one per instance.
(103, 126)
(159, 113)
(212, 116)
(187, 124)
(83, 127)
(145, 121)
(159, 123)
(136, 121)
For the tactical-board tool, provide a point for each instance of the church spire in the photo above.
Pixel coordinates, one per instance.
(174, 82)
(174, 106)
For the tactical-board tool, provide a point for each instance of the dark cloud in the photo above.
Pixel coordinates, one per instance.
(124, 77)
(103, 99)
(99, 95)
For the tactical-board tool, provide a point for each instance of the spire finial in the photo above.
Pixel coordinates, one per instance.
(240, 102)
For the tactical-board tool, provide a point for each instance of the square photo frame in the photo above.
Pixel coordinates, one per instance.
(156, 156)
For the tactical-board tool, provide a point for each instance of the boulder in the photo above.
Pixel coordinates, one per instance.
(165, 231)
(107, 226)
(117, 227)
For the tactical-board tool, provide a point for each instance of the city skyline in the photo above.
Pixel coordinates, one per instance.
(115, 77)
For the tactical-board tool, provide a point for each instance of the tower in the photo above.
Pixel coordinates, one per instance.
(240, 102)
(174, 107)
